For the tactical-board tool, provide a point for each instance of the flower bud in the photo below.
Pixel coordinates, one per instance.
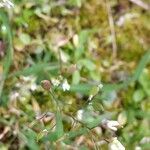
(46, 84)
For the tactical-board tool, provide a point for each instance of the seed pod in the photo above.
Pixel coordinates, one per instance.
(46, 84)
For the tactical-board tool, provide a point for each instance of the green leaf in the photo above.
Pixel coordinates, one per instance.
(9, 54)
(29, 137)
(25, 39)
(76, 77)
(87, 64)
(81, 88)
(95, 75)
(94, 90)
(142, 64)
(77, 3)
(40, 136)
(89, 125)
(52, 136)
(81, 131)
(138, 95)
(59, 125)
(83, 37)
(59, 131)
(145, 81)
(35, 69)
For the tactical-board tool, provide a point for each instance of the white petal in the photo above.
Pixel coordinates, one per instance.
(116, 145)
(110, 124)
(65, 85)
(90, 97)
(80, 114)
(119, 145)
(112, 128)
(55, 82)
(100, 86)
(113, 123)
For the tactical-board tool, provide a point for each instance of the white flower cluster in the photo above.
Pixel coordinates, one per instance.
(6, 3)
(65, 86)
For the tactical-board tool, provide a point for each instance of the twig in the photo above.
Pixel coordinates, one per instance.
(141, 4)
(112, 29)
(60, 61)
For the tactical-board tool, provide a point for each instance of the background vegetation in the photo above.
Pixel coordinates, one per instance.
(87, 42)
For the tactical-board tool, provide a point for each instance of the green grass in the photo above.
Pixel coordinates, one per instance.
(34, 33)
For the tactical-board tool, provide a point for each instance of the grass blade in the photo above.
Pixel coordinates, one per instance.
(9, 54)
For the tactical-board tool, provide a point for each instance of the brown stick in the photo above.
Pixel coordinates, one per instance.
(141, 4)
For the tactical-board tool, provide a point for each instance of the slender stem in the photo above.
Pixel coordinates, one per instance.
(60, 61)
(112, 29)
(55, 100)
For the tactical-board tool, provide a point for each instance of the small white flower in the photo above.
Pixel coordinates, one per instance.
(55, 82)
(80, 114)
(100, 86)
(138, 148)
(76, 40)
(65, 85)
(115, 145)
(145, 140)
(90, 103)
(33, 87)
(110, 124)
(45, 131)
(3, 27)
(90, 97)
(14, 95)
